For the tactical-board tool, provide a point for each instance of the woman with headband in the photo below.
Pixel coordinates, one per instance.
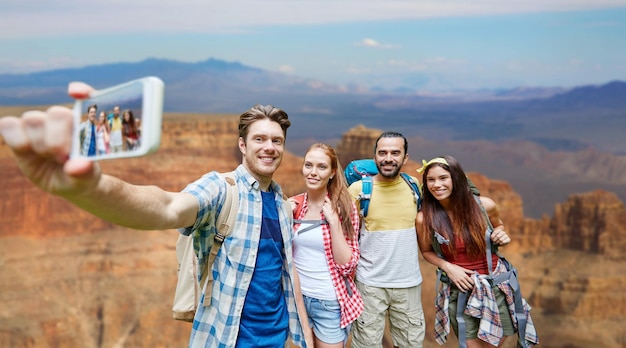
(478, 286)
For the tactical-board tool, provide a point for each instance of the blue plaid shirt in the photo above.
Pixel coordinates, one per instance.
(217, 324)
(85, 130)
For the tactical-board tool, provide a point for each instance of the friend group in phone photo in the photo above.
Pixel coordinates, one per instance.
(102, 133)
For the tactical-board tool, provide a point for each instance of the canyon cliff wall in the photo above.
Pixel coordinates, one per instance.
(68, 279)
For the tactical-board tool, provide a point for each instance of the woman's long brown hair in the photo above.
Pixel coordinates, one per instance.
(338, 189)
(468, 220)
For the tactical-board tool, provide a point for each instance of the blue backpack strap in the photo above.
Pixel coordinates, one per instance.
(365, 195)
(415, 188)
(367, 186)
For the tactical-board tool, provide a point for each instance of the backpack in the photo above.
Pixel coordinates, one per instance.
(189, 285)
(510, 275)
(363, 170)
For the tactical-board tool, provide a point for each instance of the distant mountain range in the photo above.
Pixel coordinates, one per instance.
(557, 118)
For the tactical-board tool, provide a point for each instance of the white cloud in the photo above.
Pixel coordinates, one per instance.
(286, 69)
(36, 18)
(367, 42)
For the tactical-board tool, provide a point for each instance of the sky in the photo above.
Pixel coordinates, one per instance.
(431, 45)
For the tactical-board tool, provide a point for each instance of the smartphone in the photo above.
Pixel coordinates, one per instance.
(119, 121)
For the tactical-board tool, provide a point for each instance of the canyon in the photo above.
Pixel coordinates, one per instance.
(69, 279)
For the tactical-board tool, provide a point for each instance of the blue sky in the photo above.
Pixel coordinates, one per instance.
(432, 45)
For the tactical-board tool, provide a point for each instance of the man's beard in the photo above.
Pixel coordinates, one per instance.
(391, 175)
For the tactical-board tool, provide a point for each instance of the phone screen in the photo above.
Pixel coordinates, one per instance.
(119, 121)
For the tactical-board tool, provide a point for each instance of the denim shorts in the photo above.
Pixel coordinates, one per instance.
(325, 319)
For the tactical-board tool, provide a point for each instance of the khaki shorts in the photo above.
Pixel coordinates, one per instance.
(471, 323)
(406, 317)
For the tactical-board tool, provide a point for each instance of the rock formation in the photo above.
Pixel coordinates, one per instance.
(593, 223)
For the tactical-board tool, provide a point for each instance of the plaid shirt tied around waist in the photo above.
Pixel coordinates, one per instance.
(481, 304)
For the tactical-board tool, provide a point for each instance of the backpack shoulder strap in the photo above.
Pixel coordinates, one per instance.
(314, 224)
(225, 225)
(366, 194)
(491, 247)
(414, 187)
(226, 219)
(367, 187)
(436, 241)
(510, 275)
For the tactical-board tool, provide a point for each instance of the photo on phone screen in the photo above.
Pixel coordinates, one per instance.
(119, 121)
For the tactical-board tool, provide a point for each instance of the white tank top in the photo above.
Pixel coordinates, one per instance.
(310, 261)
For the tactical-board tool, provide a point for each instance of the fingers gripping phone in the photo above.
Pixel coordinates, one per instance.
(119, 121)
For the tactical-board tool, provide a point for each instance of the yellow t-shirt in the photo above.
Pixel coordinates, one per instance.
(388, 240)
(116, 132)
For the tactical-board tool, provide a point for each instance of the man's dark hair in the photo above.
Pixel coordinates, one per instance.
(390, 134)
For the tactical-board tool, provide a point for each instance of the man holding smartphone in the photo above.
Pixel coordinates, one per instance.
(267, 314)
